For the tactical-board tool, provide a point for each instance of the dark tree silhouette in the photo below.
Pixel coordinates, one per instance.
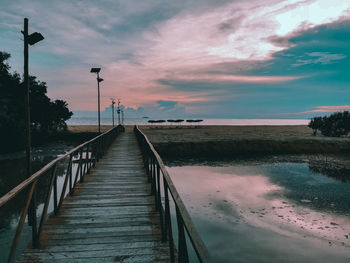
(46, 116)
(316, 124)
(335, 125)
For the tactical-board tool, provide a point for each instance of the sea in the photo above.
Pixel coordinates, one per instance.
(214, 122)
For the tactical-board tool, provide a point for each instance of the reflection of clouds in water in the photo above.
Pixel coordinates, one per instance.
(241, 197)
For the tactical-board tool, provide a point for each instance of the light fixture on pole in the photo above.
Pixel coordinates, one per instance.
(118, 111)
(29, 40)
(97, 71)
(113, 102)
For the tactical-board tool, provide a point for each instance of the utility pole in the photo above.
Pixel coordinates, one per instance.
(113, 102)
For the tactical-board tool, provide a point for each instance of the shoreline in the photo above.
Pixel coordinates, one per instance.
(219, 142)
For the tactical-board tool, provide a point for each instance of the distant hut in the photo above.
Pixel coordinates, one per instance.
(178, 120)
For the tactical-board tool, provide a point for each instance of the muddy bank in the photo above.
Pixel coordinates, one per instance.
(217, 142)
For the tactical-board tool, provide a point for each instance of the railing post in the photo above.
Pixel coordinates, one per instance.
(183, 254)
(33, 220)
(95, 155)
(55, 208)
(69, 170)
(81, 165)
(146, 162)
(168, 226)
(153, 178)
(98, 144)
(159, 204)
(69, 173)
(21, 223)
(47, 200)
(150, 169)
(87, 160)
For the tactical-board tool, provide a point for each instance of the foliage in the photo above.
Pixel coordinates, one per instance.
(335, 125)
(47, 116)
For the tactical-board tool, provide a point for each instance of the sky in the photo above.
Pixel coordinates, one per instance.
(188, 58)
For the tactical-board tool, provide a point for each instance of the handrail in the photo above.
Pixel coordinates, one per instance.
(89, 153)
(154, 164)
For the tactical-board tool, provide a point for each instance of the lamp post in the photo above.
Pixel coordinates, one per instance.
(29, 40)
(122, 117)
(113, 102)
(118, 111)
(97, 71)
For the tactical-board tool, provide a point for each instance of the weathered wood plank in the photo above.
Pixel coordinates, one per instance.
(85, 221)
(131, 252)
(98, 240)
(124, 259)
(102, 235)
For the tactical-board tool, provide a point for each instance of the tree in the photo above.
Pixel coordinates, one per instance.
(335, 125)
(60, 113)
(316, 124)
(46, 116)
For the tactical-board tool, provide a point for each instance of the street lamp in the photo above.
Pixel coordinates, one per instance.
(29, 40)
(118, 111)
(113, 102)
(97, 71)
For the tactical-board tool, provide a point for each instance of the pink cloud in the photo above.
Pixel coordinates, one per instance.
(318, 109)
(327, 109)
(235, 78)
(187, 42)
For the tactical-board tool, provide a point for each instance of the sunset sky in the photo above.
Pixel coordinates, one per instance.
(203, 58)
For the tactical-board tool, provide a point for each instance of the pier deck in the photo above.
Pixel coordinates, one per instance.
(110, 218)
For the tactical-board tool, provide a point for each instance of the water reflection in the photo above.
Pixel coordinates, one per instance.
(267, 212)
(13, 173)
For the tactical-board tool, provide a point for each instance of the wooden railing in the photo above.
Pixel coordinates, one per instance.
(85, 155)
(156, 173)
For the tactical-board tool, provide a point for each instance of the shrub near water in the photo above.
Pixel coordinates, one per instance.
(335, 125)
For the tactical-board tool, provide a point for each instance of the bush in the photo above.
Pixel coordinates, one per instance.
(335, 125)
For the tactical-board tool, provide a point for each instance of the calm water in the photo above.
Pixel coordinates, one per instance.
(268, 212)
(12, 168)
(108, 121)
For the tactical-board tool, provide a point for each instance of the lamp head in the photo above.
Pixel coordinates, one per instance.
(34, 38)
(99, 79)
(95, 70)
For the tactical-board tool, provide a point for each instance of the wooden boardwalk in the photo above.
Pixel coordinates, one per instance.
(110, 218)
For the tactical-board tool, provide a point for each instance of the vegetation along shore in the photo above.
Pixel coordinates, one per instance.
(230, 141)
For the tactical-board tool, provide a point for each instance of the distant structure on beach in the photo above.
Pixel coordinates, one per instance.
(194, 120)
(156, 121)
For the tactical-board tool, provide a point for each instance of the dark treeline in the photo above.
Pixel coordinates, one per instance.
(47, 116)
(335, 125)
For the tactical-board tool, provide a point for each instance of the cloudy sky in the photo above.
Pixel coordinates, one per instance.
(200, 58)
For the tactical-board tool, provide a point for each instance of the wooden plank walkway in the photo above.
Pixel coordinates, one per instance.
(110, 218)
